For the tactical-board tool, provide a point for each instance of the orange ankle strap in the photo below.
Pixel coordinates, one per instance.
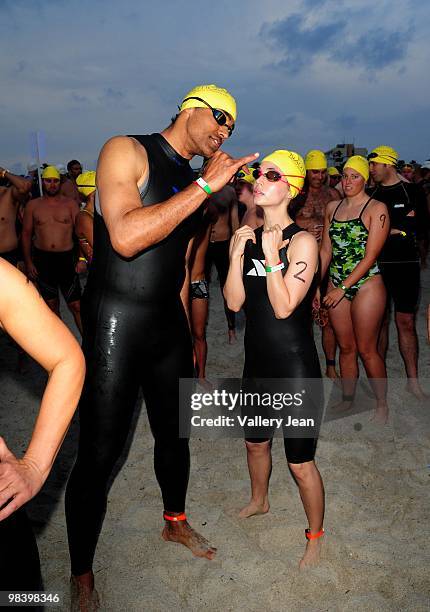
(313, 536)
(179, 517)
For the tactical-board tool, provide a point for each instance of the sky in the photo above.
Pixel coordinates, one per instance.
(305, 73)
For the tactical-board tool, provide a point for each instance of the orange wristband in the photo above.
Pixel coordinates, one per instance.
(180, 517)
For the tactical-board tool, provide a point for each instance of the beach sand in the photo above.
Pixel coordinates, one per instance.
(375, 552)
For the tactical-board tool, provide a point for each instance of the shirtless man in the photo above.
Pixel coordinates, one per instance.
(13, 190)
(68, 187)
(223, 205)
(309, 213)
(51, 262)
(244, 186)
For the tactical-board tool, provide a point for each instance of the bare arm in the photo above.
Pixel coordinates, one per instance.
(29, 321)
(20, 186)
(185, 291)
(123, 164)
(326, 247)
(286, 293)
(234, 290)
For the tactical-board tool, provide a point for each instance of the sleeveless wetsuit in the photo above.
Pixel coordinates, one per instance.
(136, 336)
(278, 348)
(348, 240)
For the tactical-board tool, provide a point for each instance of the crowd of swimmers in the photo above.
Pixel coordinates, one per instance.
(291, 239)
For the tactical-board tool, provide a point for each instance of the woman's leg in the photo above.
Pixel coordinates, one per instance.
(340, 318)
(367, 312)
(259, 458)
(311, 491)
(199, 317)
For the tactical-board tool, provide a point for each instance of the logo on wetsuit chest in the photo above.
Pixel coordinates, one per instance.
(399, 205)
(259, 268)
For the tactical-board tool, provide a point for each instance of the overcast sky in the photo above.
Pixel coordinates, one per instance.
(305, 73)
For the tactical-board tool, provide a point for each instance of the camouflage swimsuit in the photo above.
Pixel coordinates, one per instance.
(348, 239)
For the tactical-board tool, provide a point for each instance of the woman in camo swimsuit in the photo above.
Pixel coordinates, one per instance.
(355, 230)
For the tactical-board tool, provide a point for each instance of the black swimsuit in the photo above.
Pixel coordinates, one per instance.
(136, 336)
(279, 348)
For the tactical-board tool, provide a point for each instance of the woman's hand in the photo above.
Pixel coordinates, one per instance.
(333, 297)
(20, 480)
(272, 243)
(239, 240)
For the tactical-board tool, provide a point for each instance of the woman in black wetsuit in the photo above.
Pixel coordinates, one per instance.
(273, 270)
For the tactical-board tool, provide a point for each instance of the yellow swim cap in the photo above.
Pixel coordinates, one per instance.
(86, 182)
(292, 165)
(384, 155)
(315, 160)
(50, 172)
(217, 97)
(359, 164)
(241, 175)
(333, 171)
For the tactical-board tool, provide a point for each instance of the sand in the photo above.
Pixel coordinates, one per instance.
(376, 552)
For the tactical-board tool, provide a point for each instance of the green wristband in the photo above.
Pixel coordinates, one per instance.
(343, 287)
(203, 185)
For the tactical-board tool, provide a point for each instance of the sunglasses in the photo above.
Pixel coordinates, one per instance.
(273, 176)
(219, 115)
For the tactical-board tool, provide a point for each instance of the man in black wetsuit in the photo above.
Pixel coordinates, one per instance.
(136, 333)
(399, 260)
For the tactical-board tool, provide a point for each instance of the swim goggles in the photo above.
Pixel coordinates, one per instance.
(381, 155)
(273, 176)
(219, 115)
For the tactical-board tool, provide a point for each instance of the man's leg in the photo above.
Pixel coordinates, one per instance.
(75, 309)
(71, 287)
(405, 292)
(199, 316)
(171, 360)
(106, 408)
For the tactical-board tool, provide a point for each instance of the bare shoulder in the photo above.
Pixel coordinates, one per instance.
(122, 155)
(331, 206)
(377, 208)
(31, 204)
(303, 242)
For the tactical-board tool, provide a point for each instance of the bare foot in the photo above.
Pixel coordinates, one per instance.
(341, 407)
(206, 384)
(380, 416)
(83, 595)
(413, 386)
(254, 508)
(182, 533)
(312, 554)
(232, 336)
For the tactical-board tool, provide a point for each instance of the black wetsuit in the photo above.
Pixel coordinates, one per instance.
(399, 260)
(136, 336)
(279, 348)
